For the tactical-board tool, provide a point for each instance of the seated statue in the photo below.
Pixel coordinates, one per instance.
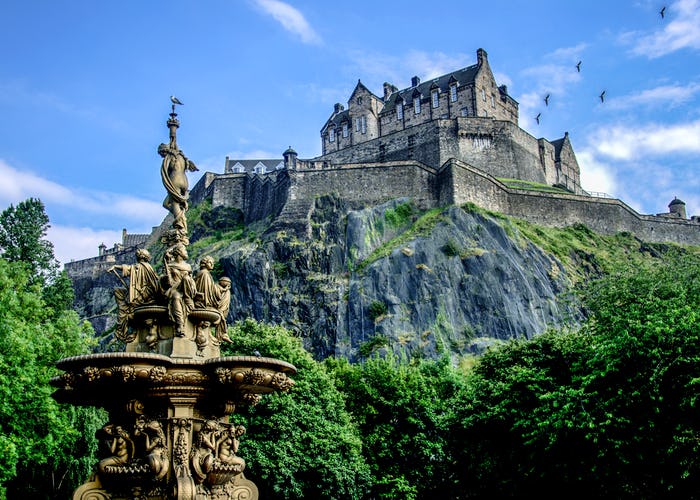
(179, 286)
(142, 289)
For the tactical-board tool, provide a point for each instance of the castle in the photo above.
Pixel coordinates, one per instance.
(450, 140)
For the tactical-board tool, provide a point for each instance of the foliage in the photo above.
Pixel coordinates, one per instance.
(400, 215)
(376, 309)
(607, 411)
(300, 444)
(402, 410)
(422, 226)
(38, 437)
(22, 238)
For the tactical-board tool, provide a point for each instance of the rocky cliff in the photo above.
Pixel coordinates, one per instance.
(351, 281)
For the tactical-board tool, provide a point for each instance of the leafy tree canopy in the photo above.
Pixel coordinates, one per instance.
(300, 444)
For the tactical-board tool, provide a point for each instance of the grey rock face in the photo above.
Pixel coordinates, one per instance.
(455, 286)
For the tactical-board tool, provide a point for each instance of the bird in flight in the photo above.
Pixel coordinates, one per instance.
(537, 118)
(175, 100)
(578, 66)
(602, 96)
(546, 100)
(662, 12)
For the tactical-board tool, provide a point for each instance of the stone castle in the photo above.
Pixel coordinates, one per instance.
(450, 140)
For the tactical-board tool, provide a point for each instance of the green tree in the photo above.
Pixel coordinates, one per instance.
(46, 448)
(23, 238)
(402, 410)
(605, 411)
(300, 444)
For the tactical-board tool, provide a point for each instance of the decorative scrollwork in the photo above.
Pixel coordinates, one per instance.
(254, 377)
(157, 373)
(281, 381)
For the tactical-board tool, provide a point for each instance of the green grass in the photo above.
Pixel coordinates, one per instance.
(533, 186)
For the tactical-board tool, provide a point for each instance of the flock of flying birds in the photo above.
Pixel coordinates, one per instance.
(601, 96)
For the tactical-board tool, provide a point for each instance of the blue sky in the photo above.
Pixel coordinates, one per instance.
(85, 86)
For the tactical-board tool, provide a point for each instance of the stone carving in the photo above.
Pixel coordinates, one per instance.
(180, 287)
(154, 446)
(169, 394)
(173, 172)
(142, 290)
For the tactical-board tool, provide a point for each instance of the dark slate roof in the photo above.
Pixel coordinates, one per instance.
(464, 76)
(133, 240)
(249, 165)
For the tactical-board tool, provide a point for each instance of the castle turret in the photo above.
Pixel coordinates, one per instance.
(677, 207)
(290, 159)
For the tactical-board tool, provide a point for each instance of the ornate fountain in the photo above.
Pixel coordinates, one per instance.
(170, 395)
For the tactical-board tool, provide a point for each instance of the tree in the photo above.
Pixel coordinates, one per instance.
(46, 448)
(402, 410)
(22, 238)
(300, 444)
(605, 411)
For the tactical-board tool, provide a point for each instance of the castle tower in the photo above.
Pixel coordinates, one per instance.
(290, 159)
(677, 207)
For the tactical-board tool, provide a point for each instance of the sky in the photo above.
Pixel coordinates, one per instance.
(85, 88)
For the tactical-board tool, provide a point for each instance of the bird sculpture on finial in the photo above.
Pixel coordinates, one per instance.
(174, 100)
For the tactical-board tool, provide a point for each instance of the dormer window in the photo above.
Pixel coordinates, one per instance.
(238, 168)
(399, 111)
(331, 135)
(435, 97)
(453, 92)
(259, 168)
(345, 129)
(416, 105)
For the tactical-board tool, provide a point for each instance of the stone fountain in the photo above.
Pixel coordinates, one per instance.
(170, 395)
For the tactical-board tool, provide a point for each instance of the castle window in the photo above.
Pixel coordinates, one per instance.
(363, 124)
(331, 135)
(416, 105)
(483, 94)
(464, 111)
(435, 96)
(399, 111)
(358, 120)
(493, 101)
(359, 100)
(345, 129)
(453, 92)
(259, 168)
(238, 168)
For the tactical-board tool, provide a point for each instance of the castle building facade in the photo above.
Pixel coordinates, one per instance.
(462, 115)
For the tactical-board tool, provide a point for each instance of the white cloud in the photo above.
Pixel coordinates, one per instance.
(627, 143)
(596, 176)
(291, 19)
(681, 29)
(75, 243)
(662, 96)
(375, 67)
(19, 185)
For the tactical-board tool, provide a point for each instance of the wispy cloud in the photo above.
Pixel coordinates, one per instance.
(75, 243)
(681, 29)
(377, 67)
(291, 19)
(19, 185)
(662, 96)
(596, 175)
(555, 77)
(627, 143)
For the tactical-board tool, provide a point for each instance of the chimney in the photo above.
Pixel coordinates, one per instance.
(123, 236)
(388, 90)
(481, 56)
(415, 81)
(338, 108)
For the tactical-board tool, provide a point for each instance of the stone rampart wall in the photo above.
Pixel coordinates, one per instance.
(369, 183)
